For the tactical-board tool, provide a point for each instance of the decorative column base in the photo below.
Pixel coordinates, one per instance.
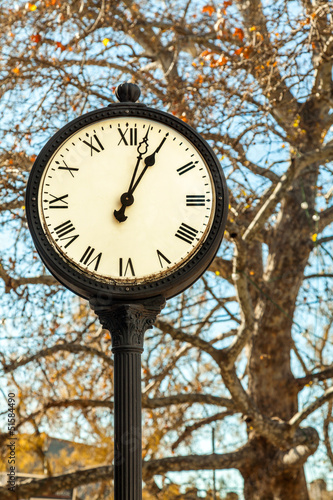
(127, 323)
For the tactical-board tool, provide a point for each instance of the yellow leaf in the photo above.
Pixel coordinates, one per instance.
(253, 28)
(314, 237)
(217, 273)
(105, 41)
(23, 207)
(32, 6)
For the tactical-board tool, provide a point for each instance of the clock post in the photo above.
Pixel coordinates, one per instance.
(127, 323)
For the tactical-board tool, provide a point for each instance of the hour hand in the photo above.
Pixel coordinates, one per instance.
(126, 200)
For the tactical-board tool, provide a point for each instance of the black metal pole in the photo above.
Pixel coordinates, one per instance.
(214, 471)
(127, 323)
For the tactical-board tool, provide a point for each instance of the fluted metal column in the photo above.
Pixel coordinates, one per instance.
(127, 324)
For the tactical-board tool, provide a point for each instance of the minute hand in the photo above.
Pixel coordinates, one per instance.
(127, 199)
(141, 149)
(149, 162)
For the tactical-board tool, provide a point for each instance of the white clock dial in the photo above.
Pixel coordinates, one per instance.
(127, 199)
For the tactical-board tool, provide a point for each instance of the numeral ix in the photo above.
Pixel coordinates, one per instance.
(58, 201)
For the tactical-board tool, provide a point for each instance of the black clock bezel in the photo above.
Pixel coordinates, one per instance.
(85, 284)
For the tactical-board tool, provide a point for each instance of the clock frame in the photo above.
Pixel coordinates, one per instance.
(86, 283)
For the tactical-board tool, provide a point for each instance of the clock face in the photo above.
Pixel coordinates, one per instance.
(126, 199)
(126, 203)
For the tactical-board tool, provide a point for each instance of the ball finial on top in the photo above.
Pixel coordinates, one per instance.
(127, 92)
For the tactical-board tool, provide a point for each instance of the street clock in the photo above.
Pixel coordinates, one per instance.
(127, 201)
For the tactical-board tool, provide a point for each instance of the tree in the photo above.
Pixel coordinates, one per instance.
(252, 338)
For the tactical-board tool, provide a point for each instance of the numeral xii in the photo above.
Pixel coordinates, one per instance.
(130, 139)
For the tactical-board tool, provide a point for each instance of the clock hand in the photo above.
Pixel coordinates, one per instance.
(127, 199)
(149, 162)
(141, 152)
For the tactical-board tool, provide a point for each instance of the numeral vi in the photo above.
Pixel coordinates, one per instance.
(124, 268)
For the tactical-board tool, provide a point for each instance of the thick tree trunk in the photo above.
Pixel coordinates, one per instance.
(263, 485)
(271, 382)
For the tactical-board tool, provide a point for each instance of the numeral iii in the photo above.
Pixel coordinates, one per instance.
(195, 200)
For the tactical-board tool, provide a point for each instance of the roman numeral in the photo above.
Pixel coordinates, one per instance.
(66, 167)
(195, 200)
(161, 256)
(63, 229)
(186, 168)
(130, 139)
(92, 144)
(58, 202)
(123, 269)
(87, 259)
(186, 233)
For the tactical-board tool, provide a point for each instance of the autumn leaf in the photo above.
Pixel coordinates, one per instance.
(35, 38)
(200, 79)
(239, 33)
(61, 46)
(210, 9)
(247, 52)
(205, 53)
(105, 41)
(222, 61)
(239, 51)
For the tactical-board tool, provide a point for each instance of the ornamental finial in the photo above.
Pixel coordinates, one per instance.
(127, 92)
